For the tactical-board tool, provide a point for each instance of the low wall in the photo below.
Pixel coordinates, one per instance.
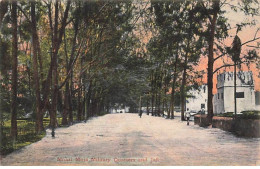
(201, 120)
(241, 127)
(224, 123)
(247, 127)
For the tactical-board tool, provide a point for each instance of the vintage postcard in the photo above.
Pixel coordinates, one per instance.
(130, 82)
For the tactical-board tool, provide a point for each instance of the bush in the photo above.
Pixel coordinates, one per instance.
(254, 114)
(227, 114)
(250, 114)
(102, 113)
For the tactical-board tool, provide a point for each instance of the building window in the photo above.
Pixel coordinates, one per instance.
(240, 95)
(222, 96)
(202, 106)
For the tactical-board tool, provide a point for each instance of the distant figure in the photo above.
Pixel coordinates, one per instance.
(52, 132)
(188, 118)
(140, 114)
(202, 111)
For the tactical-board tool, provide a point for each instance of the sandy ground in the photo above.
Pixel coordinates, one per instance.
(126, 139)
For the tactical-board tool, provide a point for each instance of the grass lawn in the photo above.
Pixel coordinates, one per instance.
(26, 135)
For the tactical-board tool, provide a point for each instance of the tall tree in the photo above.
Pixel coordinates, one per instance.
(14, 70)
(35, 47)
(175, 24)
(212, 27)
(56, 43)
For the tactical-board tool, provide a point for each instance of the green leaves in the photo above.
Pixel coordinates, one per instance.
(236, 49)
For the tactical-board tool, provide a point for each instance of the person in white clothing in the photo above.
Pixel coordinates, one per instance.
(188, 117)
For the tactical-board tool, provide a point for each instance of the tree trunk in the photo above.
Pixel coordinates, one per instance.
(183, 86)
(14, 70)
(152, 81)
(79, 115)
(39, 114)
(70, 99)
(53, 109)
(160, 80)
(173, 90)
(235, 88)
(57, 39)
(66, 105)
(165, 93)
(172, 104)
(69, 86)
(84, 104)
(89, 99)
(156, 94)
(172, 98)
(211, 60)
(147, 107)
(159, 102)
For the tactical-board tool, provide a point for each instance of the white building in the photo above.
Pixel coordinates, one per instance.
(120, 109)
(223, 101)
(198, 99)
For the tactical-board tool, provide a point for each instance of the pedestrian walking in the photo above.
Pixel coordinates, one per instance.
(188, 118)
(140, 114)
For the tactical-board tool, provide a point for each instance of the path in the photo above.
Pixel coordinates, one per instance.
(126, 139)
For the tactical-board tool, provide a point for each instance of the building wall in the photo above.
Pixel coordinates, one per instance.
(218, 101)
(225, 85)
(257, 100)
(243, 104)
(200, 96)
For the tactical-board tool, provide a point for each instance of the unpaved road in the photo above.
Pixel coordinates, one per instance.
(126, 139)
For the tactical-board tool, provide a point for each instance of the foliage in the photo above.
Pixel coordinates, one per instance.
(254, 114)
(250, 115)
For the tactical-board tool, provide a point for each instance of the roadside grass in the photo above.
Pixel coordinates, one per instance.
(26, 134)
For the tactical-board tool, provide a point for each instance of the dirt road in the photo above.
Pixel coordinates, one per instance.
(126, 139)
